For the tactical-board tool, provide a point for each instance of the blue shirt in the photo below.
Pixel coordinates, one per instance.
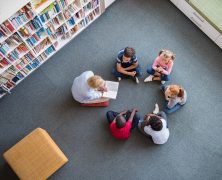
(119, 59)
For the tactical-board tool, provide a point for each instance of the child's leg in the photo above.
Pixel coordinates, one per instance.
(110, 115)
(163, 88)
(165, 77)
(151, 73)
(162, 114)
(138, 71)
(141, 130)
(150, 70)
(116, 73)
(135, 121)
(172, 110)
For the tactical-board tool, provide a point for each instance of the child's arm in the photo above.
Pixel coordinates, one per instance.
(172, 103)
(133, 66)
(155, 63)
(132, 115)
(120, 69)
(168, 71)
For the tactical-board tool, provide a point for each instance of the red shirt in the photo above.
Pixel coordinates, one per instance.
(123, 133)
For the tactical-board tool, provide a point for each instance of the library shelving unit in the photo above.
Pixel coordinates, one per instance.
(34, 33)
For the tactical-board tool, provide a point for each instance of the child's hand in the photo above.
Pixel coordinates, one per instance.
(133, 73)
(159, 69)
(134, 109)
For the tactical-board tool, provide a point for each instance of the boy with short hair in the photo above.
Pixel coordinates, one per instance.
(127, 65)
(121, 124)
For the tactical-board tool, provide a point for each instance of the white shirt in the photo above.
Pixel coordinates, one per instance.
(159, 137)
(81, 91)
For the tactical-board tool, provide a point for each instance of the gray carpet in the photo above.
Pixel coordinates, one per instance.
(44, 100)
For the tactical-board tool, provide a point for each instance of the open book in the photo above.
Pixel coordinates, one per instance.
(112, 89)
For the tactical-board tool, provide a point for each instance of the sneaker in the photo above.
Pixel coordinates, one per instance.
(137, 80)
(157, 109)
(149, 78)
(163, 82)
(119, 78)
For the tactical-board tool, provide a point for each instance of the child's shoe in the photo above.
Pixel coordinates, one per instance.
(137, 80)
(149, 78)
(163, 82)
(156, 110)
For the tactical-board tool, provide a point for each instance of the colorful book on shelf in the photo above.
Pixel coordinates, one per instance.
(3, 63)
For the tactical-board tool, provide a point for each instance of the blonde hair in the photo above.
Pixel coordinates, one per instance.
(95, 81)
(167, 54)
(176, 90)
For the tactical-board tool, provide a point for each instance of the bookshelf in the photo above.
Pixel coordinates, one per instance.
(34, 33)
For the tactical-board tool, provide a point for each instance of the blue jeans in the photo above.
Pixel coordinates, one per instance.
(118, 74)
(173, 109)
(111, 115)
(166, 109)
(163, 77)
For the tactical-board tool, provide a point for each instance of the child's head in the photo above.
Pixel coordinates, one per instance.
(167, 55)
(174, 91)
(96, 82)
(128, 54)
(120, 121)
(155, 123)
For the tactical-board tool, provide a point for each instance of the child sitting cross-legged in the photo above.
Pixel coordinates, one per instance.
(175, 97)
(127, 65)
(121, 124)
(162, 67)
(155, 126)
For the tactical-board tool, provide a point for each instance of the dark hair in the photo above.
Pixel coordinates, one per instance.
(129, 52)
(155, 123)
(120, 121)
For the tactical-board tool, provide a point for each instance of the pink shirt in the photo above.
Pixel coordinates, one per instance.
(123, 133)
(167, 67)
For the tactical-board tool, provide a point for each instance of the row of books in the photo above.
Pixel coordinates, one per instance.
(49, 12)
(79, 15)
(25, 60)
(36, 37)
(62, 30)
(9, 43)
(3, 63)
(11, 75)
(83, 2)
(70, 10)
(41, 46)
(16, 53)
(36, 62)
(92, 15)
(28, 29)
(3, 89)
(64, 3)
(22, 16)
(7, 84)
(77, 27)
(58, 20)
(6, 29)
(50, 28)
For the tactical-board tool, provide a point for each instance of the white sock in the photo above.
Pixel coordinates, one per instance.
(149, 78)
(157, 109)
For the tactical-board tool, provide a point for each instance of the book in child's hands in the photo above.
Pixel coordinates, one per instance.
(112, 89)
